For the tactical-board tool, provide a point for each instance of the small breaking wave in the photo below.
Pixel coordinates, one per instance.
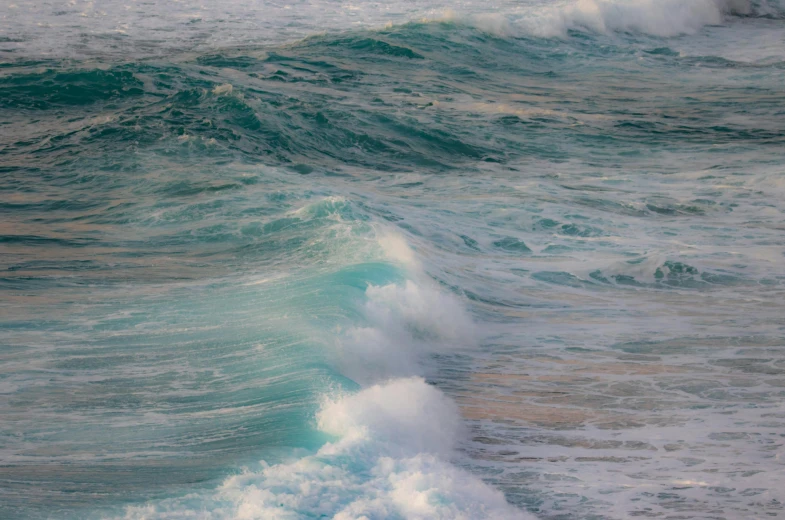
(391, 443)
(661, 18)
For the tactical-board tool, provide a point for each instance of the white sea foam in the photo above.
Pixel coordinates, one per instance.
(389, 461)
(405, 323)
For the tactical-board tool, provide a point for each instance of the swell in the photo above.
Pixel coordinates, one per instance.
(433, 98)
(421, 95)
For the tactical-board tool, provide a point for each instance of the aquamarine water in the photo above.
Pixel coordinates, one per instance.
(388, 260)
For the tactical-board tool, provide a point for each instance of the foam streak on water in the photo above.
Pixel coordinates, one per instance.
(381, 260)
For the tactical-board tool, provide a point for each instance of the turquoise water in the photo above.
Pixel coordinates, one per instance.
(482, 261)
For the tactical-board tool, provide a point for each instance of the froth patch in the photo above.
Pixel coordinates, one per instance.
(221, 90)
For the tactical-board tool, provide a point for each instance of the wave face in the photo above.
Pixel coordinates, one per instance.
(519, 260)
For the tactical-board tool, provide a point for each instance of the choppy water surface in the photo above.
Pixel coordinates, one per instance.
(377, 260)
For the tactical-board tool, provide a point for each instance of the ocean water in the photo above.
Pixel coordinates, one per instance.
(392, 259)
